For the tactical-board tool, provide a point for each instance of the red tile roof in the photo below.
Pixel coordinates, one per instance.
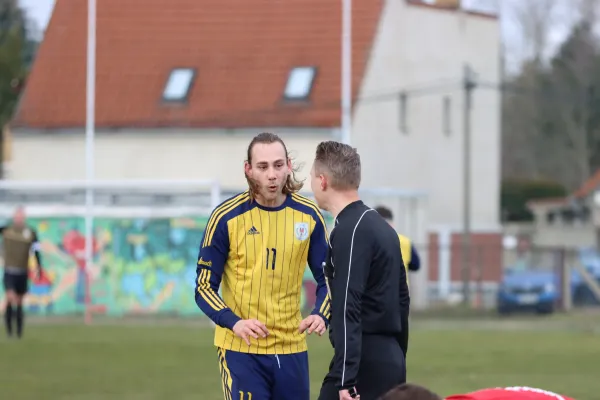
(243, 51)
(589, 186)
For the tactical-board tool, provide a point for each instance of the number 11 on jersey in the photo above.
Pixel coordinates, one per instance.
(248, 395)
(269, 252)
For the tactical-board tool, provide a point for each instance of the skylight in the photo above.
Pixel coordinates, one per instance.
(179, 84)
(300, 82)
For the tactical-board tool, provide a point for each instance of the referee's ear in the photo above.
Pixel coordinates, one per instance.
(409, 391)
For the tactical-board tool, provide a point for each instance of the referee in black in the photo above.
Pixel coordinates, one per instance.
(367, 283)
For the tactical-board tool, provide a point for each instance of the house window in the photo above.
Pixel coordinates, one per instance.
(299, 83)
(179, 84)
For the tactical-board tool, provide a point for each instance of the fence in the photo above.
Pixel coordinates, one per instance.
(146, 236)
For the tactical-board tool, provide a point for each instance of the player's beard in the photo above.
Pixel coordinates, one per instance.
(264, 191)
(271, 191)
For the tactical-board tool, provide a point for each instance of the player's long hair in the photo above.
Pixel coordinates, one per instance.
(292, 184)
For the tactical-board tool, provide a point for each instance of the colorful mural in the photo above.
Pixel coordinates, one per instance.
(140, 266)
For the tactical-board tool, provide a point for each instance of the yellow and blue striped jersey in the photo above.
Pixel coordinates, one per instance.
(257, 256)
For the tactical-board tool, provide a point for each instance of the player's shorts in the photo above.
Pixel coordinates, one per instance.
(15, 282)
(264, 376)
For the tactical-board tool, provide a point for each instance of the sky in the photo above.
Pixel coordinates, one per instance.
(40, 11)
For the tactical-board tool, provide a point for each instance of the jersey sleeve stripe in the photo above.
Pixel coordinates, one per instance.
(210, 292)
(327, 311)
(313, 206)
(205, 291)
(215, 214)
(324, 305)
(211, 231)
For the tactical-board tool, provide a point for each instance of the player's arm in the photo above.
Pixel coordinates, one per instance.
(352, 254)
(35, 246)
(209, 271)
(405, 305)
(317, 253)
(415, 260)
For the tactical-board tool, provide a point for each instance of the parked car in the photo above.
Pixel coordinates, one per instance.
(538, 289)
(528, 290)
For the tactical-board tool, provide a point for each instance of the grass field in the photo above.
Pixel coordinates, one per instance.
(168, 361)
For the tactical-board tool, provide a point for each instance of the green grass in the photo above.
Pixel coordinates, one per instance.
(145, 361)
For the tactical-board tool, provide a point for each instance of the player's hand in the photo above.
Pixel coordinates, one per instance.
(313, 323)
(345, 395)
(247, 328)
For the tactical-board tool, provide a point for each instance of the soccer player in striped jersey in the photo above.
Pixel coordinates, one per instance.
(255, 248)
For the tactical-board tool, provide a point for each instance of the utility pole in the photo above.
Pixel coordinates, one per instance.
(2, 151)
(468, 85)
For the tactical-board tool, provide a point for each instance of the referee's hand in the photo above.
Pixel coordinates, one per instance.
(250, 327)
(345, 395)
(313, 323)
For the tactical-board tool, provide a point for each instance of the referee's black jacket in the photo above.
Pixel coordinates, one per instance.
(367, 282)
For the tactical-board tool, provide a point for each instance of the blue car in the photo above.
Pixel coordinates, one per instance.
(528, 290)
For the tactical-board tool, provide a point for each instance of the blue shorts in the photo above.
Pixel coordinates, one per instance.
(264, 376)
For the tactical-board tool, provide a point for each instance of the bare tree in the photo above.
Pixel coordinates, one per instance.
(575, 76)
(527, 26)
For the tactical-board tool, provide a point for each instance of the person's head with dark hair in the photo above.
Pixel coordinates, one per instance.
(335, 175)
(410, 391)
(269, 169)
(385, 213)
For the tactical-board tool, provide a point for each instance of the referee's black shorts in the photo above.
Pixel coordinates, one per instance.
(382, 367)
(17, 283)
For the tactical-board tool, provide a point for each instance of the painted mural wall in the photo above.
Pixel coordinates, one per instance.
(140, 266)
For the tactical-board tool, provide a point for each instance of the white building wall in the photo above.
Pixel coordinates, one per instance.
(425, 49)
(144, 154)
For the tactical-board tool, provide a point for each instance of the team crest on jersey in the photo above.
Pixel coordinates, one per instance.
(27, 234)
(301, 230)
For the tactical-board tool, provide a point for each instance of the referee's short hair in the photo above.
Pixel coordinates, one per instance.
(385, 212)
(341, 163)
(409, 391)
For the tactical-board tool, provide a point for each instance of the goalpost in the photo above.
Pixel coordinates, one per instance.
(59, 213)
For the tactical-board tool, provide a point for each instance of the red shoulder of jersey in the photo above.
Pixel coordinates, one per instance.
(510, 393)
